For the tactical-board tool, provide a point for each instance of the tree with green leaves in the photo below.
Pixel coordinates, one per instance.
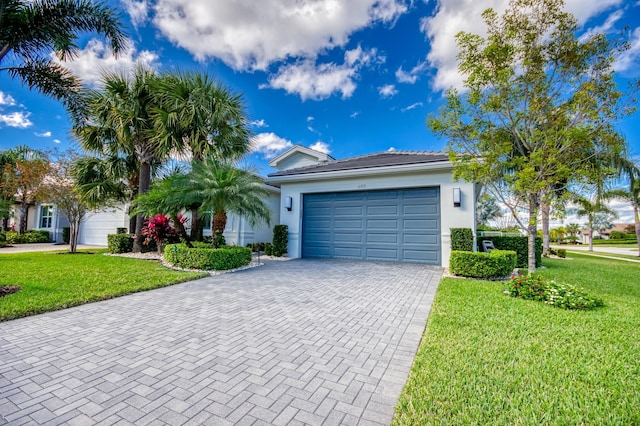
(631, 193)
(60, 188)
(31, 30)
(200, 118)
(217, 186)
(121, 124)
(487, 209)
(539, 103)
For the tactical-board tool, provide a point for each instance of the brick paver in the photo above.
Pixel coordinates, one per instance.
(298, 342)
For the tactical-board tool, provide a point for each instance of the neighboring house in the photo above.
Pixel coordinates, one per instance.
(394, 206)
(606, 234)
(98, 224)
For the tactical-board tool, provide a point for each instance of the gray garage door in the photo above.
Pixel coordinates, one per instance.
(396, 225)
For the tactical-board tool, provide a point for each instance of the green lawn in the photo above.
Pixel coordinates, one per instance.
(486, 358)
(52, 281)
(604, 253)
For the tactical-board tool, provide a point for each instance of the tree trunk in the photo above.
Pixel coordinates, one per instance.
(24, 211)
(182, 232)
(219, 223)
(143, 188)
(590, 230)
(532, 232)
(546, 248)
(132, 224)
(74, 227)
(197, 225)
(5, 224)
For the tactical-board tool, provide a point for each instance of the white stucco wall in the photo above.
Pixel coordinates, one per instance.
(450, 217)
(239, 232)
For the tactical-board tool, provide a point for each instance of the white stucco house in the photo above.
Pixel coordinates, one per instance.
(392, 206)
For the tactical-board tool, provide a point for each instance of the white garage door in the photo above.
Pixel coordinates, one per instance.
(98, 225)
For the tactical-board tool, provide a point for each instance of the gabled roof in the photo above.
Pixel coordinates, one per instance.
(299, 149)
(381, 159)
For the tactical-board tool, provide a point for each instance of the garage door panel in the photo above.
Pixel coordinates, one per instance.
(393, 225)
(382, 238)
(346, 237)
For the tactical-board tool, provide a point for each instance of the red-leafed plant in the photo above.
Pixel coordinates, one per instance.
(158, 228)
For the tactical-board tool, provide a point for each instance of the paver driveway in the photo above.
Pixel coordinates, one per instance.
(297, 342)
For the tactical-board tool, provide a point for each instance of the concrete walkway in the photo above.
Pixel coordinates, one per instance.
(289, 343)
(26, 248)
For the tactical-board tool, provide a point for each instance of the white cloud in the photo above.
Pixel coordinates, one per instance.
(43, 134)
(96, 58)
(321, 147)
(453, 16)
(6, 99)
(391, 149)
(317, 82)
(412, 106)
(387, 91)
(606, 26)
(354, 114)
(19, 120)
(56, 140)
(258, 123)
(411, 76)
(629, 58)
(137, 10)
(269, 144)
(249, 35)
(310, 119)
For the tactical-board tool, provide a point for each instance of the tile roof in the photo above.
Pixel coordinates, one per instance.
(380, 159)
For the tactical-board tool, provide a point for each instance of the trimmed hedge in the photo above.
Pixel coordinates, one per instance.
(280, 240)
(518, 244)
(497, 264)
(35, 236)
(3, 238)
(625, 241)
(461, 239)
(120, 243)
(207, 258)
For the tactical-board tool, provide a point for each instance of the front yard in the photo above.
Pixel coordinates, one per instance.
(52, 281)
(486, 358)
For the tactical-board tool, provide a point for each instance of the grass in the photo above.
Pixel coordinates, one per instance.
(52, 281)
(604, 253)
(486, 358)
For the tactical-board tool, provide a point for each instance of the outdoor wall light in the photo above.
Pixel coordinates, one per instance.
(456, 197)
(288, 203)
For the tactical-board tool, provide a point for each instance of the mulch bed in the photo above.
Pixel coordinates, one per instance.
(8, 289)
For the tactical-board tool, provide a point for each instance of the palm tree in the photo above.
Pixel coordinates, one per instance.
(486, 210)
(121, 124)
(591, 208)
(217, 186)
(200, 118)
(631, 170)
(573, 229)
(31, 30)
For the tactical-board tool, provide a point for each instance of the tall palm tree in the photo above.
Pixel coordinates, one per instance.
(121, 124)
(200, 118)
(632, 193)
(217, 186)
(31, 30)
(591, 208)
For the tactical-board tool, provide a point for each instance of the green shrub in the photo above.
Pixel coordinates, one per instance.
(66, 234)
(566, 296)
(280, 240)
(461, 239)
(562, 253)
(121, 230)
(621, 242)
(3, 238)
(220, 240)
(207, 258)
(496, 264)
(618, 235)
(268, 249)
(35, 236)
(519, 244)
(120, 243)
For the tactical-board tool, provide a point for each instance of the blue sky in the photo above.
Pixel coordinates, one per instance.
(348, 77)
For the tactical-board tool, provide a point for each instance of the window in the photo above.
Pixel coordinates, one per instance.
(207, 221)
(46, 216)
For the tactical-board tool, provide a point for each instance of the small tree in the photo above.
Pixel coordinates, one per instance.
(61, 189)
(26, 177)
(540, 103)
